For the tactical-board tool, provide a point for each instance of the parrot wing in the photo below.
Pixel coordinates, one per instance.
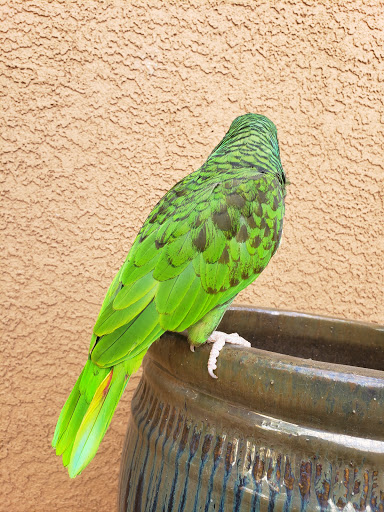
(205, 241)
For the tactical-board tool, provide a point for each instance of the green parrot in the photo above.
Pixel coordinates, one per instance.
(207, 239)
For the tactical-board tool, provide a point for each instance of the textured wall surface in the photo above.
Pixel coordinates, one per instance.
(104, 106)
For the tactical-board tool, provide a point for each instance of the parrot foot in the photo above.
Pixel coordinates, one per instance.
(192, 348)
(219, 339)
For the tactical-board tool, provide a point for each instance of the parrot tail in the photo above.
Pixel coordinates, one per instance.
(87, 413)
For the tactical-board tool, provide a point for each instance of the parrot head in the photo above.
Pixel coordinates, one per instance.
(260, 132)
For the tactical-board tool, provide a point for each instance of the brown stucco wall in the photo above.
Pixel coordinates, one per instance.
(104, 106)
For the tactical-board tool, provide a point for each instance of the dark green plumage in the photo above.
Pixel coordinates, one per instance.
(209, 237)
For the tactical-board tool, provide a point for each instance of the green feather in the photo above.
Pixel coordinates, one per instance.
(196, 309)
(216, 245)
(132, 273)
(112, 319)
(118, 344)
(234, 249)
(144, 249)
(217, 277)
(180, 229)
(75, 408)
(96, 420)
(142, 347)
(181, 250)
(173, 321)
(134, 291)
(164, 269)
(112, 290)
(181, 284)
(163, 293)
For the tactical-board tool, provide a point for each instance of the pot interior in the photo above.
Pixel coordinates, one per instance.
(313, 337)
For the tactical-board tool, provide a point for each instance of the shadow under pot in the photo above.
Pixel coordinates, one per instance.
(294, 423)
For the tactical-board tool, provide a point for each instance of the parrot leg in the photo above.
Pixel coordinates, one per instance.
(204, 332)
(219, 339)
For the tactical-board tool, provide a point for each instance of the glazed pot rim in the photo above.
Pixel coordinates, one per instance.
(351, 398)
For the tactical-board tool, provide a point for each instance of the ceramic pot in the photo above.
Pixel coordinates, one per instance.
(294, 423)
